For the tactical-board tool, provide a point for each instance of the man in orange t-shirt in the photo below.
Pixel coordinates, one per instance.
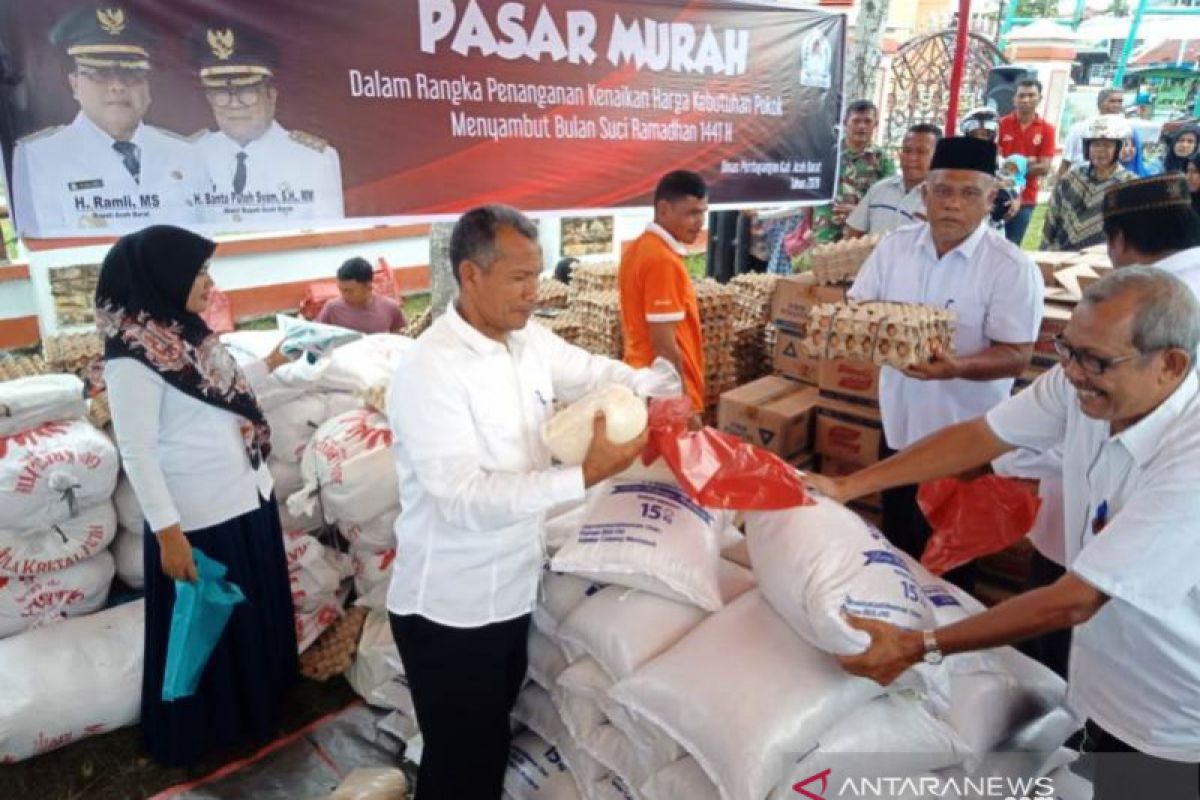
(659, 313)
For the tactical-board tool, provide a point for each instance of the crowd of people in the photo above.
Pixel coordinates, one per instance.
(1117, 422)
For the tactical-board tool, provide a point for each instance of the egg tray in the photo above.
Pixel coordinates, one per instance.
(419, 324)
(894, 334)
(552, 294)
(593, 277)
(72, 352)
(13, 367)
(840, 262)
(333, 651)
(754, 294)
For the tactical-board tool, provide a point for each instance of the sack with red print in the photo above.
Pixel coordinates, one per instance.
(35, 601)
(28, 402)
(372, 575)
(374, 535)
(366, 363)
(314, 571)
(128, 550)
(348, 467)
(50, 472)
(36, 551)
(69, 681)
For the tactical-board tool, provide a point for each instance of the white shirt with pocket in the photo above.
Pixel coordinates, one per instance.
(186, 459)
(887, 206)
(1132, 530)
(997, 293)
(476, 479)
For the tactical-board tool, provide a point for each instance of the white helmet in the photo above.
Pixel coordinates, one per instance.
(984, 117)
(1109, 126)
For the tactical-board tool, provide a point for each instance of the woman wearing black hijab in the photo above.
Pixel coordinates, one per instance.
(193, 442)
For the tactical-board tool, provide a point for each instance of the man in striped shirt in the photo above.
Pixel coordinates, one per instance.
(897, 200)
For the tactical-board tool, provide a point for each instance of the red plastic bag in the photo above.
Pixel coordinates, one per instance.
(383, 283)
(974, 518)
(316, 296)
(719, 470)
(219, 314)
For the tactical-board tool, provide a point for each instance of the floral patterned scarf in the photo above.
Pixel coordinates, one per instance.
(141, 311)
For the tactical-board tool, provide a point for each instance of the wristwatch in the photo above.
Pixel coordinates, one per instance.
(933, 653)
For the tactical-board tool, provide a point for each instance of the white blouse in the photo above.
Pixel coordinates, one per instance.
(185, 458)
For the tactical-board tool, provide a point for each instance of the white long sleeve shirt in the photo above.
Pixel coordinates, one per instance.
(475, 476)
(185, 458)
(1131, 514)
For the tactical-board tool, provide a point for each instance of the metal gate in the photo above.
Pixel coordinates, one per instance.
(918, 88)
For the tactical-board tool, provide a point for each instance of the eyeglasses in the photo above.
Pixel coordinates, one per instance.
(1093, 365)
(246, 96)
(107, 75)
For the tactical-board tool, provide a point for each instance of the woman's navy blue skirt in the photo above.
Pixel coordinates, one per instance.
(243, 686)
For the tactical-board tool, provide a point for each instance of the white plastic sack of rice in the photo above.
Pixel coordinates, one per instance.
(682, 778)
(36, 601)
(741, 692)
(26, 403)
(568, 433)
(815, 564)
(35, 551)
(128, 551)
(49, 472)
(624, 628)
(648, 536)
(536, 771)
(65, 682)
(349, 464)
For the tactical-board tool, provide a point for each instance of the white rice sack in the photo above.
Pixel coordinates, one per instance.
(564, 526)
(654, 748)
(35, 601)
(988, 708)
(26, 403)
(35, 551)
(129, 509)
(648, 536)
(535, 710)
(403, 727)
(951, 604)
(816, 563)
(294, 423)
(613, 787)
(546, 659)
(568, 433)
(287, 478)
(624, 628)
(50, 471)
(69, 681)
(251, 345)
(559, 596)
(375, 535)
(741, 693)
(891, 735)
(349, 461)
(311, 624)
(615, 751)
(684, 778)
(315, 571)
(364, 364)
(577, 697)
(128, 551)
(536, 771)
(377, 661)
(372, 575)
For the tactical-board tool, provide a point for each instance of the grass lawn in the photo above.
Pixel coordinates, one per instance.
(1033, 234)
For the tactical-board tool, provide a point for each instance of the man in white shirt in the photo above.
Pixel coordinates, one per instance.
(261, 172)
(1151, 221)
(1124, 406)
(953, 261)
(107, 168)
(1108, 101)
(897, 200)
(467, 404)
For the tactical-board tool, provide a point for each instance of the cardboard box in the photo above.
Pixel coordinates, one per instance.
(805, 462)
(795, 294)
(790, 360)
(773, 413)
(836, 468)
(848, 432)
(1050, 262)
(846, 378)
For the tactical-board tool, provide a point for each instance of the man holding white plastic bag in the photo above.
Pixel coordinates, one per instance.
(466, 405)
(1125, 407)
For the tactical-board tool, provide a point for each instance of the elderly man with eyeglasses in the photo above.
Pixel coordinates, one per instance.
(953, 260)
(261, 172)
(1124, 407)
(107, 168)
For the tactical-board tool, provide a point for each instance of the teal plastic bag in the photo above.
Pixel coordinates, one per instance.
(198, 619)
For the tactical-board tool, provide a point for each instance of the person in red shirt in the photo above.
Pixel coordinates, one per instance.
(659, 312)
(359, 308)
(1024, 132)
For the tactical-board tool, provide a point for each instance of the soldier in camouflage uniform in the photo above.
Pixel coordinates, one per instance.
(863, 165)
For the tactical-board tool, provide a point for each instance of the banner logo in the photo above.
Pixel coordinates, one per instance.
(822, 776)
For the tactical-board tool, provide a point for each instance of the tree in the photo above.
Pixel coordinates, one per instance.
(863, 68)
(1037, 8)
(1118, 8)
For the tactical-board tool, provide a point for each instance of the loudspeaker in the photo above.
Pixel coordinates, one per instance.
(1002, 85)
